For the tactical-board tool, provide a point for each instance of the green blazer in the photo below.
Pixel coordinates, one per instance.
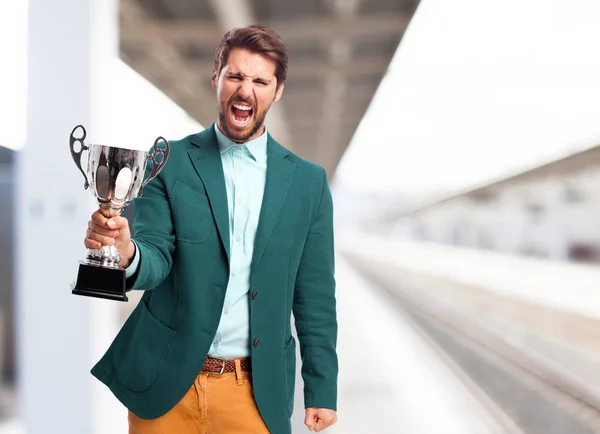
(181, 230)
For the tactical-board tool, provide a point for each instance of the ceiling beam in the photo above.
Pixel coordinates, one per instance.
(302, 96)
(232, 13)
(358, 67)
(293, 32)
(166, 61)
(310, 123)
(336, 86)
(375, 66)
(325, 97)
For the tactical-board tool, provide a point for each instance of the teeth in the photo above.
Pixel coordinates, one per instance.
(242, 107)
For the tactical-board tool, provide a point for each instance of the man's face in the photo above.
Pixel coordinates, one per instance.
(246, 88)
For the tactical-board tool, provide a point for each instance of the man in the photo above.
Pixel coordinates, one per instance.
(233, 235)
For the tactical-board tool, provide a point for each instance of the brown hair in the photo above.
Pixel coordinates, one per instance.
(258, 39)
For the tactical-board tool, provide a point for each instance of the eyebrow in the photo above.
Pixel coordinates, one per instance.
(239, 74)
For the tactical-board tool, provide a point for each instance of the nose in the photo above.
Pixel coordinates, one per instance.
(245, 89)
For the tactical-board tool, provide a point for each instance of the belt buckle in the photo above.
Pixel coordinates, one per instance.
(222, 364)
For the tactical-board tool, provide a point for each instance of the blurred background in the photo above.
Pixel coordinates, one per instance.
(462, 143)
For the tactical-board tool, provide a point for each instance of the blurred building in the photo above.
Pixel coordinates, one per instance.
(550, 211)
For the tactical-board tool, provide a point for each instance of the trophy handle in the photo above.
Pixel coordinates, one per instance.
(77, 155)
(156, 166)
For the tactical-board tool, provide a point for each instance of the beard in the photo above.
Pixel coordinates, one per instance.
(243, 135)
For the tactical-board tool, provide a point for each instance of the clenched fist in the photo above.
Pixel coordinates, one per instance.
(317, 419)
(107, 228)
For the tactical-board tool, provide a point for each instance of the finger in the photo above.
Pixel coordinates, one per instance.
(117, 222)
(92, 244)
(325, 422)
(110, 213)
(99, 219)
(314, 423)
(102, 231)
(318, 425)
(321, 424)
(310, 418)
(104, 240)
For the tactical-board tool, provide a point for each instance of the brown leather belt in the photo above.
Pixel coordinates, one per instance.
(218, 366)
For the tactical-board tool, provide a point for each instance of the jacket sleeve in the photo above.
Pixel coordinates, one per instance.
(154, 236)
(314, 307)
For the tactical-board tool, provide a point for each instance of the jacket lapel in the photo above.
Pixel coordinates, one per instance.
(280, 171)
(206, 159)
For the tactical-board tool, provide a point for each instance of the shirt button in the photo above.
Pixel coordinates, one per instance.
(238, 238)
(233, 274)
(256, 342)
(225, 311)
(254, 294)
(216, 344)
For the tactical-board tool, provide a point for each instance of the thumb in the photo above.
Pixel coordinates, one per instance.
(310, 420)
(118, 222)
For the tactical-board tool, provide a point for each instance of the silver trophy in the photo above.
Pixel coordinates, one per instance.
(116, 177)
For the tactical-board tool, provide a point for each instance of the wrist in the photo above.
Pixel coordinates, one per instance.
(129, 254)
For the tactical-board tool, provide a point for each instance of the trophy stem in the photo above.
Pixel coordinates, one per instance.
(108, 210)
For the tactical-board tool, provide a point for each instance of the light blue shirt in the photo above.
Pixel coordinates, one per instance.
(245, 168)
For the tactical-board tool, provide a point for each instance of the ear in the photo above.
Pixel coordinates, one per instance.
(214, 79)
(279, 92)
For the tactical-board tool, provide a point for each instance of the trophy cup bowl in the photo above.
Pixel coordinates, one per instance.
(115, 177)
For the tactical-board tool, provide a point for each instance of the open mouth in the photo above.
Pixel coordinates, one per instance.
(241, 113)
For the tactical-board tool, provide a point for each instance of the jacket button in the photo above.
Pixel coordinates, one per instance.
(256, 342)
(254, 294)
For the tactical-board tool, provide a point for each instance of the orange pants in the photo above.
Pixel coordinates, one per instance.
(215, 404)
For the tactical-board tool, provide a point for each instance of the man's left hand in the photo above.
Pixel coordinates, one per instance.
(317, 419)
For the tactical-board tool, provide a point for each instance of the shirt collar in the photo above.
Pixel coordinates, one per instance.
(257, 148)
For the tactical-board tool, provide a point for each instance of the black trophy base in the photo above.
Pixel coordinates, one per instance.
(100, 282)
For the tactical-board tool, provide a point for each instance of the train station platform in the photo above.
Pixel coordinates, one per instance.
(521, 332)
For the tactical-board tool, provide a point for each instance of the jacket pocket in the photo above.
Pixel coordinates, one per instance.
(140, 349)
(192, 215)
(290, 374)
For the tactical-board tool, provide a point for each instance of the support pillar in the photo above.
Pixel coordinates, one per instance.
(59, 335)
